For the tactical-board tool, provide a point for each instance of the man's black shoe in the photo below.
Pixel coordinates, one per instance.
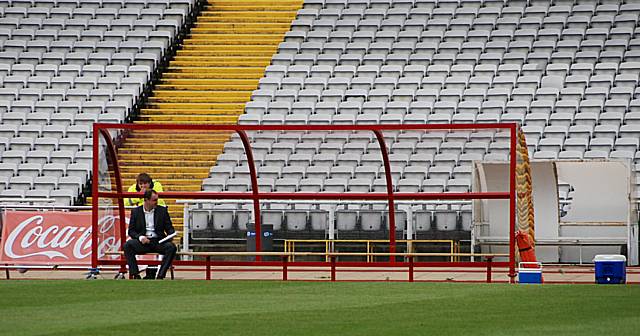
(136, 277)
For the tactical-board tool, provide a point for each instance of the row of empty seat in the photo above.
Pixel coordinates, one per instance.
(76, 140)
(74, 70)
(520, 98)
(29, 26)
(286, 177)
(443, 113)
(216, 220)
(458, 70)
(59, 180)
(95, 4)
(471, 9)
(499, 7)
(62, 13)
(340, 185)
(55, 118)
(19, 156)
(64, 47)
(81, 58)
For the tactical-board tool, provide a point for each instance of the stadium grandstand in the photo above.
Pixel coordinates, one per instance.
(566, 71)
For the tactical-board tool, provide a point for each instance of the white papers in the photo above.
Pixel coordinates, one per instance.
(167, 238)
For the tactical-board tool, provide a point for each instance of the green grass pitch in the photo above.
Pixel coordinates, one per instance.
(110, 307)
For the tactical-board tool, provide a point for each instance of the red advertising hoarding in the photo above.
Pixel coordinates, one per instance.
(55, 237)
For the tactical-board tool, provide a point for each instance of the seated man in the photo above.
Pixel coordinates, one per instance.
(143, 182)
(149, 223)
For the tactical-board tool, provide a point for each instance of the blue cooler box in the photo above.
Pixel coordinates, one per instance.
(610, 268)
(531, 274)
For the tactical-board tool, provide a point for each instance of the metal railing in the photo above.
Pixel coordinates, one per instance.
(332, 264)
(330, 245)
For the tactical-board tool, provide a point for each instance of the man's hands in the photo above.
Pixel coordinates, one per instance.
(144, 239)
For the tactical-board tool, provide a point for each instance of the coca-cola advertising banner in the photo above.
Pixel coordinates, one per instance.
(55, 237)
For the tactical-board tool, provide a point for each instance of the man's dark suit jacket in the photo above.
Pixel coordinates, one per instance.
(161, 219)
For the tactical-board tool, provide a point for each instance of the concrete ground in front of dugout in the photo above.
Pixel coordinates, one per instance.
(552, 274)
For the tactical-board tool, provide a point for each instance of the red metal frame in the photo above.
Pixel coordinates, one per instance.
(101, 129)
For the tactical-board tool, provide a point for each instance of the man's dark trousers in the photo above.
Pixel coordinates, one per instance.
(134, 247)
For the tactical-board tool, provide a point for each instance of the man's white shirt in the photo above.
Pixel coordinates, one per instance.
(150, 228)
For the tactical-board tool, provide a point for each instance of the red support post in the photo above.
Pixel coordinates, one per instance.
(254, 190)
(410, 268)
(512, 203)
(392, 208)
(94, 199)
(333, 268)
(208, 267)
(111, 152)
(285, 262)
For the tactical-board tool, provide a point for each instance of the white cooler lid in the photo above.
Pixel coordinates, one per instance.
(609, 257)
